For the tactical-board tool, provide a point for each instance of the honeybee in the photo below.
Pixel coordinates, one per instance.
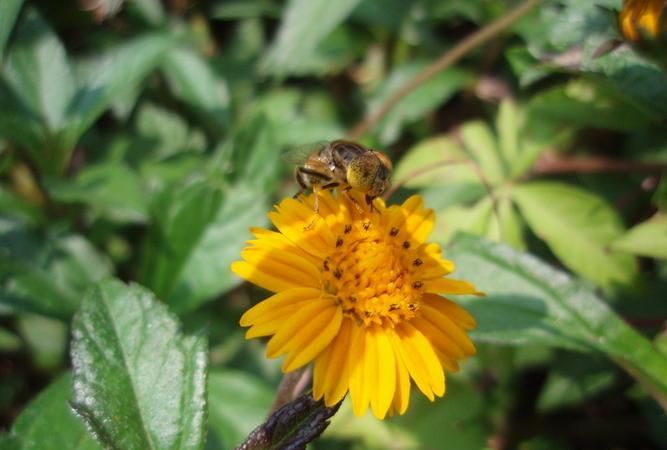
(345, 165)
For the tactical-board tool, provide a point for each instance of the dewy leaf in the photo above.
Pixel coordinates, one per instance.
(9, 11)
(200, 232)
(48, 423)
(111, 74)
(46, 273)
(646, 239)
(529, 301)
(578, 226)
(304, 25)
(138, 382)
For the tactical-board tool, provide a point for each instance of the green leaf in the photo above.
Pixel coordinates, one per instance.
(480, 142)
(418, 103)
(198, 232)
(237, 403)
(579, 227)
(438, 160)
(112, 74)
(192, 79)
(590, 102)
(245, 9)
(138, 382)
(38, 71)
(46, 273)
(112, 190)
(649, 238)
(48, 423)
(528, 301)
(45, 338)
(9, 11)
(471, 219)
(459, 416)
(305, 23)
(508, 127)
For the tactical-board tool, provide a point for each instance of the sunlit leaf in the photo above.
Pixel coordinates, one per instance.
(649, 238)
(304, 24)
(528, 301)
(138, 382)
(579, 227)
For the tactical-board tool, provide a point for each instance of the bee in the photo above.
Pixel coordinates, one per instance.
(345, 165)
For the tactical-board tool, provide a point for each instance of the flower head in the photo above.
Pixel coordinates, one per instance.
(357, 293)
(639, 16)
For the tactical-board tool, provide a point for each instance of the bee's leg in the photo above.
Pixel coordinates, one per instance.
(300, 175)
(369, 202)
(316, 209)
(354, 201)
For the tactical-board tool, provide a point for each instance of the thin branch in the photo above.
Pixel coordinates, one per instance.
(291, 386)
(447, 59)
(552, 164)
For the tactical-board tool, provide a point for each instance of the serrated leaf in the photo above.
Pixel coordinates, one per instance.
(199, 231)
(138, 382)
(9, 11)
(48, 423)
(528, 301)
(237, 403)
(305, 23)
(46, 273)
(649, 238)
(578, 226)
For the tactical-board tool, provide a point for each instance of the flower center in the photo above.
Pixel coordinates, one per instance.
(371, 271)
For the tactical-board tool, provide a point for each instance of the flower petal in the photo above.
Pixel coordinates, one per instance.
(314, 338)
(359, 384)
(385, 386)
(452, 310)
(447, 326)
(451, 286)
(332, 367)
(288, 300)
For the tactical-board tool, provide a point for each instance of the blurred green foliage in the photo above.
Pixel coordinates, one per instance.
(140, 139)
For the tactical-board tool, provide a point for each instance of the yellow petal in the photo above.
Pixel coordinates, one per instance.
(385, 385)
(289, 266)
(421, 348)
(402, 393)
(412, 361)
(439, 338)
(450, 286)
(278, 304)
(337, 378)
(447, 326)
(450, 309)
(359, 392)
(289, 334)
(315, 338)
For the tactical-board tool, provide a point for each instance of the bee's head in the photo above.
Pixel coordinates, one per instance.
(370, 173)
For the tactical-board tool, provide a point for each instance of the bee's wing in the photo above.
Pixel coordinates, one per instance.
(297, 155)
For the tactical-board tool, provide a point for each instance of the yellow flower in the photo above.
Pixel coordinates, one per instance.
(640, 14)
(356, 292)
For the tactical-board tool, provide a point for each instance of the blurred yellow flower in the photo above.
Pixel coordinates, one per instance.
(640, 15)
(356, 292)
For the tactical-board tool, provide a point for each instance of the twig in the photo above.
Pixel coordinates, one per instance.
(447, 59)
(553, 164)
(291, 386)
